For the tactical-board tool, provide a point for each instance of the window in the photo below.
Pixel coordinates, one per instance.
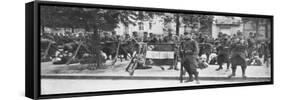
(141, 26)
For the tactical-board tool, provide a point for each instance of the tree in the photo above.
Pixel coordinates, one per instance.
(201, 22)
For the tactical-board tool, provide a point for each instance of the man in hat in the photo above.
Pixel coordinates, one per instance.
(189, 57)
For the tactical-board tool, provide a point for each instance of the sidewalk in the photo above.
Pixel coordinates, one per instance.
(118, 72)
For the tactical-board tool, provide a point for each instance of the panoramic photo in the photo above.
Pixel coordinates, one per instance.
(94, 50)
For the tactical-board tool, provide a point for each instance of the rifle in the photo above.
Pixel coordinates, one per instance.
(116, 55)
(68, 62)
(181, 67)
(133, 63)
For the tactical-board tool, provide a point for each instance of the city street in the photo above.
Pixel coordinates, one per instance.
(117, 78)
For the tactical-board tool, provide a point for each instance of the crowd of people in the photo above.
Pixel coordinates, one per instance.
(207, 44)
(233, 49)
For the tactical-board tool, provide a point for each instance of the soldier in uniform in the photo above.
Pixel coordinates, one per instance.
(238, 56)
(145, 37)
(170, 39)
(136, 37)
(189, 61)
(251, 44)
(223, 54)
(152, 38)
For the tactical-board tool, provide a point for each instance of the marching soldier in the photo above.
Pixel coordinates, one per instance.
(238, 56)
(189, 59)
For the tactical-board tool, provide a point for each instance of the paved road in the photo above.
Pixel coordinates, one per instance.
(57, 86)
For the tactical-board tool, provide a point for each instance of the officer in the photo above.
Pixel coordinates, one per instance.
(189, 59)
(238, 56)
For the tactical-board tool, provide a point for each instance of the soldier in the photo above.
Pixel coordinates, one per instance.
(251, 44)
(153, 38)
(238, 56)
(136, 37)
(145, 37)
(170, 38)
(114, 36)
(189, 59)
(223, 54)
(127, 37)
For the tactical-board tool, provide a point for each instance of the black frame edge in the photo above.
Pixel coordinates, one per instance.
(29, 66)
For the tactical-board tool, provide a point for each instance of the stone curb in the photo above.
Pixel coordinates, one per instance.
(147, 77)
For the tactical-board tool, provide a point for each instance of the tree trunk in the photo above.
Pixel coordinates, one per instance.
(177, 25)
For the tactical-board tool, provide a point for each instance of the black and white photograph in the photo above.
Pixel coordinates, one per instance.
(88, 49)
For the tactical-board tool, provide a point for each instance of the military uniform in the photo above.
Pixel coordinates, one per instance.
(170, 39)
(238, 57)
(189, 60)
(223, 54)
(251, 46)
